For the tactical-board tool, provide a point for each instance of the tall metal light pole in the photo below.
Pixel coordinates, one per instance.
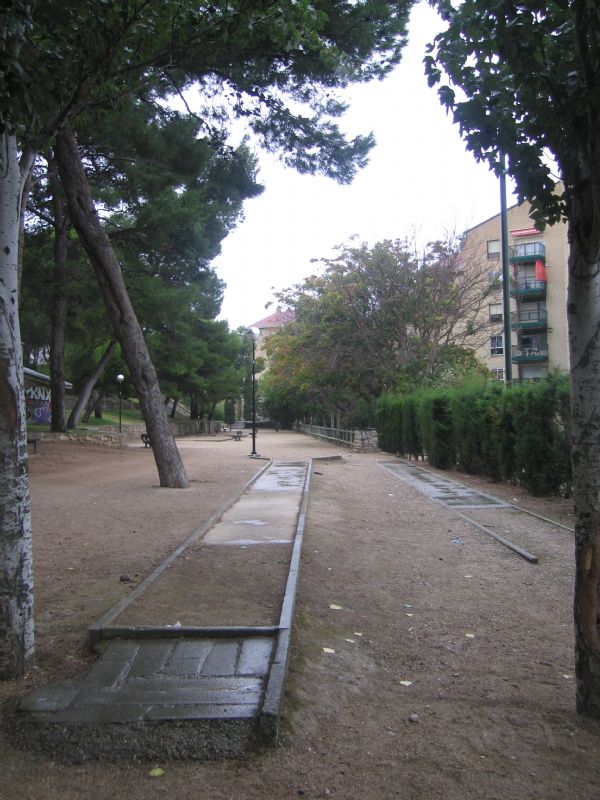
(505, 275)
(254, 333)
(120, 378)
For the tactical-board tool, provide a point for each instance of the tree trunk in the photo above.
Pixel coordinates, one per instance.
(174, 408)
(92, 403)
(86, 389)
(125, 324)
(59, 308)
(16, 584)
(27, 164)
(584, 341)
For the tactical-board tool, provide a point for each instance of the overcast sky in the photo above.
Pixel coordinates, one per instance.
(420, 179)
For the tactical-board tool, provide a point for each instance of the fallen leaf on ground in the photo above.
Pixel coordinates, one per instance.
(328, 650)
(156, 772)
(470, 635)
(406, 683)
(335, 607)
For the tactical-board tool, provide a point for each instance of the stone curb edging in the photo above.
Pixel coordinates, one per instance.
(274, 690)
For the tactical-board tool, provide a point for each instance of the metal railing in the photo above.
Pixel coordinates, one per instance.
(331, 434)
(530, 353)
(529, 317)
(528, 250)
(527, 284)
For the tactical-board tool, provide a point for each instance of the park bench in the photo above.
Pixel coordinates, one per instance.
(146, 439)
(34, 441)
(236, 436)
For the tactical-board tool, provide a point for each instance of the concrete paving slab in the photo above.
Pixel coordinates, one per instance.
(443, 490)
(160, 681)
(268, 511)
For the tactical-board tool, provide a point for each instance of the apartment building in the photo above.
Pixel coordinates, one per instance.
(538, 294)
(269, 325)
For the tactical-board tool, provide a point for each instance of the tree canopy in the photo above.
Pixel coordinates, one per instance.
(376, 318)
(523, 81)
(275, 64)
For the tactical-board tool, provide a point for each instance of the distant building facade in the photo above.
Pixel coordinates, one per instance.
(270, 324)
(538, 294)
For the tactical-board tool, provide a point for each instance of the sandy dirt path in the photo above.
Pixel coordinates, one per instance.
(452, 666)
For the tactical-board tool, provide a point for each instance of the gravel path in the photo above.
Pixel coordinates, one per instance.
(421, 667)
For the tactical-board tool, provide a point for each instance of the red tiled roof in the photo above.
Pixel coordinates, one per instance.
(276, 320)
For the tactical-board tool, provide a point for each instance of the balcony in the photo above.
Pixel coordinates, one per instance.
(528, 288)
(529, 355)
(522, 253)
(535, 319)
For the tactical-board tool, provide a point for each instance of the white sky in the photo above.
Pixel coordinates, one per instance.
(420, 179)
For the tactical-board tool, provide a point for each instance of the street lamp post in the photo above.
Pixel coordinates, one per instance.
(254, 333)
(120, 378)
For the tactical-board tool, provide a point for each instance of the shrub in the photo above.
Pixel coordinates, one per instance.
(518, 434)
(435, 425)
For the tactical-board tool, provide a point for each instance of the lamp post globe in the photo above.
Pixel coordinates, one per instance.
(120, 378)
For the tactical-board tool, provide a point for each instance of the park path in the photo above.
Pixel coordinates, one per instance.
(427, 659)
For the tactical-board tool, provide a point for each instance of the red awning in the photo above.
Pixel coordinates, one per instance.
(540, 271)
(526, 232)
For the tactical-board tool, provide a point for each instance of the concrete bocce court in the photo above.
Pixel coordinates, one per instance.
(183, 691)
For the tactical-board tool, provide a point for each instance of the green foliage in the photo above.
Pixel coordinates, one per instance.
(15, 21)
(528, 79)
(359, 417)
(518, 434)
(275, 65)
(540, 438)
(380, 318)
(388, 421)
(229, 412)
(169, 185)
(435, 425)
(412, 443)
(475, 411)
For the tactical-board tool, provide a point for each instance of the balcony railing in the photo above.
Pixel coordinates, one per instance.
(529, 320)
(529, 355)
(528, 287)
(532, 251)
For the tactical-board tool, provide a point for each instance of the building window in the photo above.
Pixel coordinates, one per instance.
(497, 374)
(495, 279)
(496, 312)
(496, 348)
(493, 250)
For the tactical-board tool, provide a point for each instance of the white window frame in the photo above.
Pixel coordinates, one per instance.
(493, 252)
(495, 348)
(496, 315)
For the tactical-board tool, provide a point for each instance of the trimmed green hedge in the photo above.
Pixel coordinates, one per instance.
(518, 434)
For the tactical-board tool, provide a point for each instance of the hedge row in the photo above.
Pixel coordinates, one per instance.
(518, 434)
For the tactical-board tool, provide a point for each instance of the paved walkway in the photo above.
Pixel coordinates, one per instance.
(182, 691)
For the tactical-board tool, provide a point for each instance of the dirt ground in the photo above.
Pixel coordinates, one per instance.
(452, 666)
